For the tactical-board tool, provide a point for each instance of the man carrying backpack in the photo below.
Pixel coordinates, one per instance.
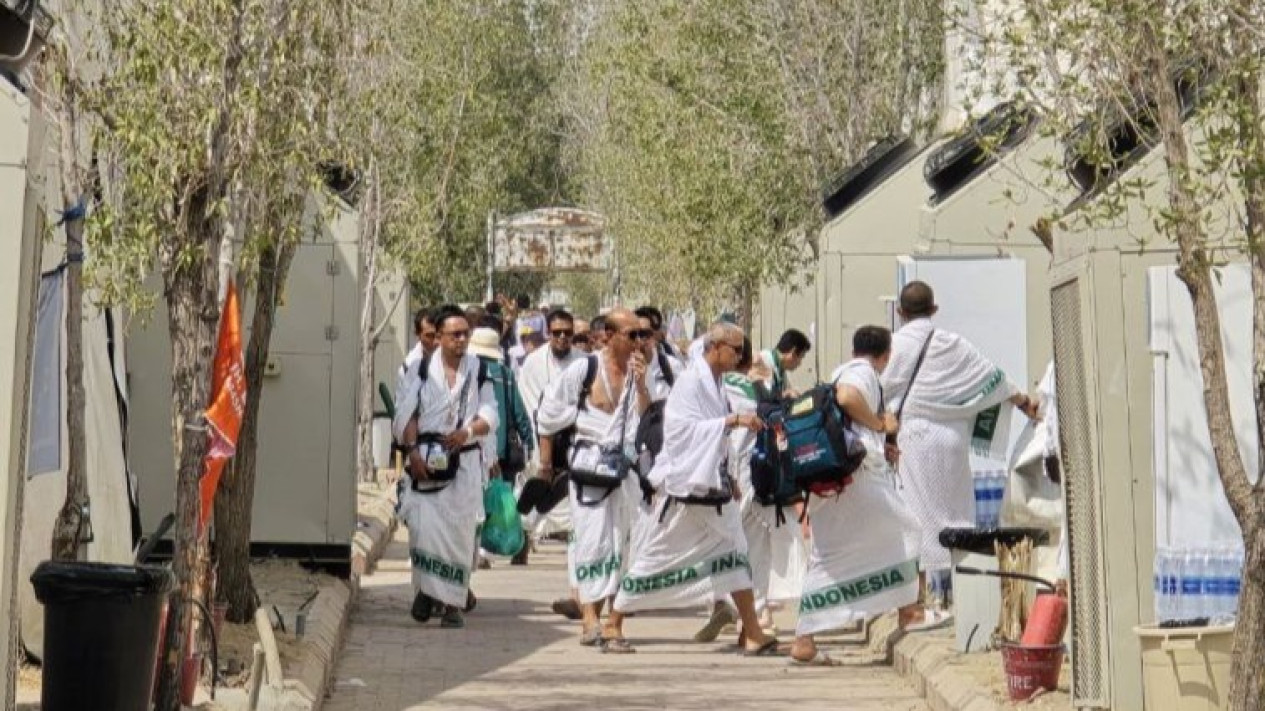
(441, 420)
(863, 554)
(694, 549)
(597, 403)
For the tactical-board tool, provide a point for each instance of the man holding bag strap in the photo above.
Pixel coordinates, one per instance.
(952, 401)
(601, 518)
(441, 421)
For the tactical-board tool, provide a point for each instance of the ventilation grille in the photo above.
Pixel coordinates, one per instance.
(1084, 530)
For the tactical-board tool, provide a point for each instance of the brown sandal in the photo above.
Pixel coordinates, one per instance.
(617, 645)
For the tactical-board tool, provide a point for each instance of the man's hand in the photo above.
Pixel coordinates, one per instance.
(417, 465)
(748, 420)
(456, 439)
(1029, 407)
(892, 454)
(890, 425)
(637, 363)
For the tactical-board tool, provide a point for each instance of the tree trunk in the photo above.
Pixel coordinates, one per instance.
(235, 500)
(1194, 268)
(368, 337)
(190, 286)
(73, 520)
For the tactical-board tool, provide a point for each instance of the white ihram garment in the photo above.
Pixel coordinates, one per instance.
(695, 554)
(599, 544)
(958, 404)
(442, 523)
(776, 552)
(863, 556)
(534, 378)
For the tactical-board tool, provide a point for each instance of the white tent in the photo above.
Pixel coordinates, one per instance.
(111, 508)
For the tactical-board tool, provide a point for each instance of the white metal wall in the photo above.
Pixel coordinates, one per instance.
(305, 482)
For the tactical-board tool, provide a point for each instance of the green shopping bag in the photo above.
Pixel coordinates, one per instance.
(502, 526)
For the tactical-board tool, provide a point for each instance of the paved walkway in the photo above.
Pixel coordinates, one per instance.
(515, 654)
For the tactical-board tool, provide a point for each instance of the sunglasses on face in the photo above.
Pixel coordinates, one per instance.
(562, 332)
(639, 334)
(581, 338)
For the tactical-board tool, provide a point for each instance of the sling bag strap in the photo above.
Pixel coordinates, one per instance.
(922, 354)
(625, 405)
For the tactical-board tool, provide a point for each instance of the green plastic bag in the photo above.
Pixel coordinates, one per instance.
(502, 527)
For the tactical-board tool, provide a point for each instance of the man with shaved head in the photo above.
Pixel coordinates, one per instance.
(693, 549)
(950, 400)
(601, 396)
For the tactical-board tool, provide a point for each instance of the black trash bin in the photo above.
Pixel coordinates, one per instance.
(100, 633)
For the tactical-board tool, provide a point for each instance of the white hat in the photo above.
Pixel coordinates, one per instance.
(487, 343)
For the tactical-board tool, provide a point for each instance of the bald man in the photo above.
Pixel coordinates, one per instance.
(950, 399)
(608, 417)
(694, 549)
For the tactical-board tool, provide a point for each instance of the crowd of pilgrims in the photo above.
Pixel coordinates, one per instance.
(539, 397)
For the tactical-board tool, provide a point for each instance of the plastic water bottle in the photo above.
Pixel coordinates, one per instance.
(1209, 583)
(1188, 586)
(1164, 578)
(999, 492)
(981, 500)
(1233, 581)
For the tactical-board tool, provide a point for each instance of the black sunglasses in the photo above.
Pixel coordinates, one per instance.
(580, 338)
(639, 334)
(562, 332)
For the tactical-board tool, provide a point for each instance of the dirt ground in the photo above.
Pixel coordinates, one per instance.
(289, 588)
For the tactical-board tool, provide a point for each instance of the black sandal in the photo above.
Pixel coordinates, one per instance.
(423, 606)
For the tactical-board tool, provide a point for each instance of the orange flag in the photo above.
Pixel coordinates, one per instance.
(228, 401)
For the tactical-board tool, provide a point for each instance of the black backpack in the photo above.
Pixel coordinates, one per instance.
(807, 447)
(563, 439)
(648, 440)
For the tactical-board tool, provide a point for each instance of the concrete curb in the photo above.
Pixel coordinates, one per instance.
(330, 612)
(926, 660)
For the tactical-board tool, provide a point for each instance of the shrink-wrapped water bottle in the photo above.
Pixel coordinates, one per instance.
(1165, 585)
(981, 500)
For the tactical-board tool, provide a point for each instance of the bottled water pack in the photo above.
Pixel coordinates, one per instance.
(1198, 584)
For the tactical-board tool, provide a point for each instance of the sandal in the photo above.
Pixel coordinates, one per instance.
(471, 601)
(616, 645)
(423, 606)
(568, 608)
(820, 659)
(452, 619)
(591, 637)
(768, 649)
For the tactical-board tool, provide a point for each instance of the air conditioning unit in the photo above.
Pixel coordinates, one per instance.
(24, 28)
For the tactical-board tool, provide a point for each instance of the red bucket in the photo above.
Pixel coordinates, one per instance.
(1031, 668)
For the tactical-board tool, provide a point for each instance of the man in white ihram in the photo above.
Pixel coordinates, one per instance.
(442, 417)
(607, 415)
(692, 551)
(955, 401)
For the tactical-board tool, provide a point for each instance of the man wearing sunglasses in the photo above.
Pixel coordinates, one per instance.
(694, 549)
(441, 421)
(613, 401)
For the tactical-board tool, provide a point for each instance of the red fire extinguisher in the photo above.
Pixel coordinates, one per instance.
(1047, 620)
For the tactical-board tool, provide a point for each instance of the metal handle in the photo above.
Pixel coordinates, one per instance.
(968, 570)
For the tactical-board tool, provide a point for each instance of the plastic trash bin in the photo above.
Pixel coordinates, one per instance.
(100, 633)
(977, 599)
(1185, 668)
